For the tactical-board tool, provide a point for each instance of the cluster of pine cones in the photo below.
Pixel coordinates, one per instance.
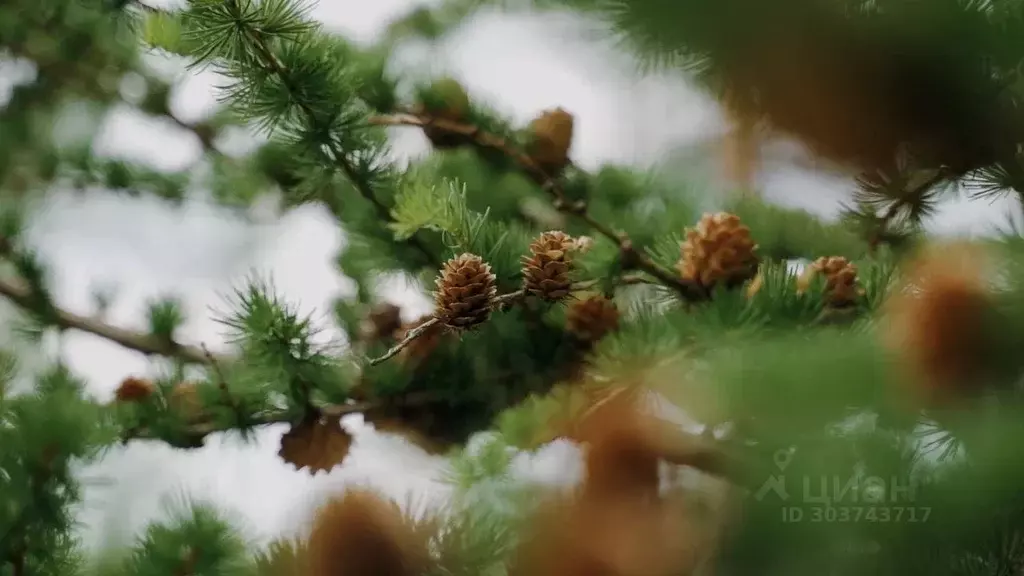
(718, 252)
(467, 292)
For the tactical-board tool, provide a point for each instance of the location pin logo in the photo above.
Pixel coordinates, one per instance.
(782, 458)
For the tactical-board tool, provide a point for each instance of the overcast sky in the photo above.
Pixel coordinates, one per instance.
(521, 64)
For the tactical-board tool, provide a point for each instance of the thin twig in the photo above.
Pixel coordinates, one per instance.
(499, 304)
(633, 257)
(22, 295)
(412, 335)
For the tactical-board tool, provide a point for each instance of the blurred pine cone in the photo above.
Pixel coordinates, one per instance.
(941, 322)
(185, 400)
(546, 271)
(363, 533)
(317, 443)
(465, 292)
(551, 139)
(590, 319)
(841, 289)
(448, 101)
(134, 390)
(718, 251)
(382, 322)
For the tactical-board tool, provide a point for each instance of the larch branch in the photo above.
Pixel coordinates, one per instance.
(22, 295)
(633, 257)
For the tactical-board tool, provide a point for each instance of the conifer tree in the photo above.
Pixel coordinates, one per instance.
(861, 415)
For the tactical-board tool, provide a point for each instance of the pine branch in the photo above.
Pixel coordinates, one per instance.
(632, 257)
(24, 296)
(275, 65)
(908, 199)
(684, 449)
(200, 430)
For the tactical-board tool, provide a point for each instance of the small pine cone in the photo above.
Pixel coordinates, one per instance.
(939, 322)
(465, 293)
(592, 318)
(134, 390)
(718, 251)
(551, 140)
(546, 271)
(841, 289)
(317, 443)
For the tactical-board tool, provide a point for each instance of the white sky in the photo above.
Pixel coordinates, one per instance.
(522, 64)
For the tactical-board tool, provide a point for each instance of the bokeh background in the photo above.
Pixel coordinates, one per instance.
(141, 248)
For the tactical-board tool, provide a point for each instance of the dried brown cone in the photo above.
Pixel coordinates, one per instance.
(546, 271)
(134, 390)
(718, 251)
(551, 139)
(466, 290)
(592, 318)
(317, 443)
(615, 525)
(363, 534)
(841, 286)
(938, 322)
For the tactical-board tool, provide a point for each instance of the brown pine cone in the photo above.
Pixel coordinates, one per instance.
(718, 251)
(134, 390)
(551, 139)
(592, 318)
(185, 400)
(361, 532)
(317, 443)
(465, 293)
(546, 271)
(939, 322)
(841, 289)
